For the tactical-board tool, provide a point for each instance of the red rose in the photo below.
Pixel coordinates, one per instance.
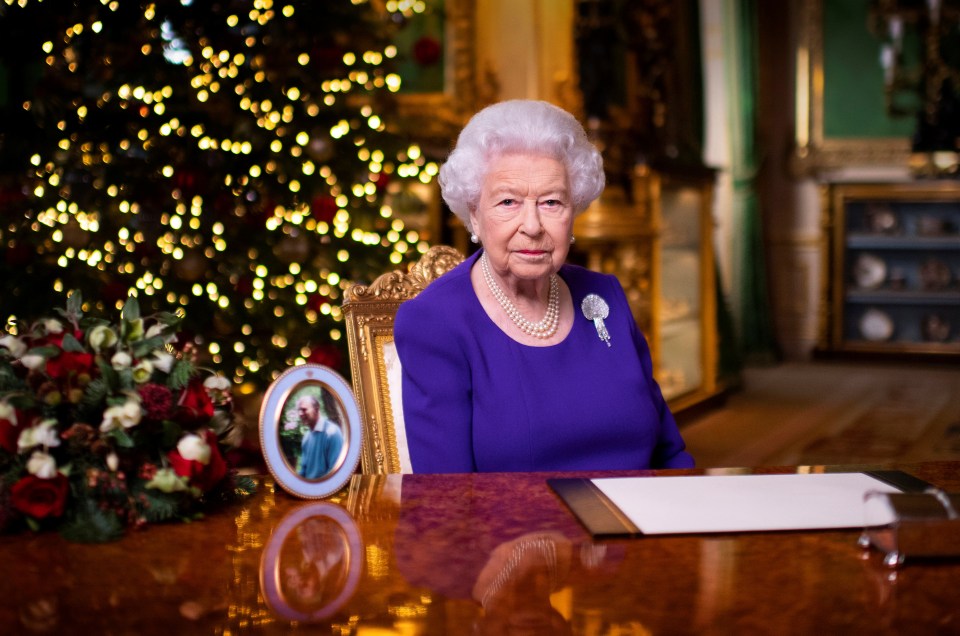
(8, 436)
(9, 433)
(156, 401)
(202, 476)
(40, 498)
(194, 405)
(69, 363)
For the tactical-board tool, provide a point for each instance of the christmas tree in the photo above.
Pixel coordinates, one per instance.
(233, 160)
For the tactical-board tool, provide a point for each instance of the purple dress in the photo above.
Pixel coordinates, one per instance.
(474, 399)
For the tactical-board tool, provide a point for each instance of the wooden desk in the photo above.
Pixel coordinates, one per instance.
(407, 555)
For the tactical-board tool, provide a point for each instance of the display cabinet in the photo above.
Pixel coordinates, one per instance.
(683, 315)
(892, 281)
(657, 240)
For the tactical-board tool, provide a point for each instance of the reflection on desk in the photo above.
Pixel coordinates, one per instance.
(452, 554)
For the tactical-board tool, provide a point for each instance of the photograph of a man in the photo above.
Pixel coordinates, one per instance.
(323, 438)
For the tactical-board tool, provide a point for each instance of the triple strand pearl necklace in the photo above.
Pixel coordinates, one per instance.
(547, 327)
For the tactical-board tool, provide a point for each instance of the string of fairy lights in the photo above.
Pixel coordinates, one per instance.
(226, 74)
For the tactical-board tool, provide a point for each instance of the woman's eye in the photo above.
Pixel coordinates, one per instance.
(508, 202)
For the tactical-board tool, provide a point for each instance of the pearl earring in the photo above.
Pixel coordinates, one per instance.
(573, 239)
(474, 238)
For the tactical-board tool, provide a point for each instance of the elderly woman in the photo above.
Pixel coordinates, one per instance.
(514, 360)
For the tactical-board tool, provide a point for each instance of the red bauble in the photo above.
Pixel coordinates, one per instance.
(315, 301)
(327, 355)
(189, 181)
(19, 255)
(381, 180)
(112, 292)
(244, 286)
(323, 208)
(327, 57)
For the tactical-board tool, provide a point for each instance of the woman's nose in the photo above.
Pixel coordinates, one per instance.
(530, 219)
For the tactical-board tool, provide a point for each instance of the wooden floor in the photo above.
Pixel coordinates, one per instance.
(831, 413)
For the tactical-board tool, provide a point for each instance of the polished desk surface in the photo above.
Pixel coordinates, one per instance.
(455, 554)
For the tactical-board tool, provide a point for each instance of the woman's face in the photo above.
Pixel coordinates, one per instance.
(524, 217)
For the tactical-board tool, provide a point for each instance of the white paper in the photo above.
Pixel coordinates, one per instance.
(742, 503)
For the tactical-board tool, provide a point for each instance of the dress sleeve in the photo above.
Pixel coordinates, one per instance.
(436, 389)
(670, 450)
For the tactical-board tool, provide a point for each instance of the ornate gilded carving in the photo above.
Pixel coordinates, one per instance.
(389, 434)
(399, 285)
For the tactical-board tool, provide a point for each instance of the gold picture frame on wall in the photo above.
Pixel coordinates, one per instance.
(438, 113)
(818, 147)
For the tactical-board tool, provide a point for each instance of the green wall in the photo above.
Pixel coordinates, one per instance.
(853, 95)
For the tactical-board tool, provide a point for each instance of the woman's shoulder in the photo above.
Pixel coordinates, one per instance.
(442, 297)
(583, 281)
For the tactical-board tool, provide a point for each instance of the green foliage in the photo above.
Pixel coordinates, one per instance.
(131, 309)
(159, 506)
(180, 374)
(89, 524)
(95, 395)
(71, 344)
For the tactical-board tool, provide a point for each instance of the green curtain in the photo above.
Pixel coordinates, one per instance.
(756, 333)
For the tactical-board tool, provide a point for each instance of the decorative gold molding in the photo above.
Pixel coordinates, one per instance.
(813, 152)
(441, 115)
(399, 285)
(390, 433)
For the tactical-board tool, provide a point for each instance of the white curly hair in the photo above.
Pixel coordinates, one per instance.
(520, 126)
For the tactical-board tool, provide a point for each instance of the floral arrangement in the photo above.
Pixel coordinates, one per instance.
(106, 426)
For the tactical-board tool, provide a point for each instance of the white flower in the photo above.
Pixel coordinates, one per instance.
(195, 448)
(43, 434)
(113, 462)
(216, 383)
(52, 326)
(13, 344)
(101, 337)
(33, 361)
(157, 330)
(43, 465)
(8, 413)
(163, 361)
(121, 360)
(126, 415)
(167, 480)
(143, 371)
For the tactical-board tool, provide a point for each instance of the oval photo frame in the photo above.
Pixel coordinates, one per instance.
(310, 431)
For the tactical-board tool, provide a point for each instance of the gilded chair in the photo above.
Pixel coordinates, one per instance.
(369, 311)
